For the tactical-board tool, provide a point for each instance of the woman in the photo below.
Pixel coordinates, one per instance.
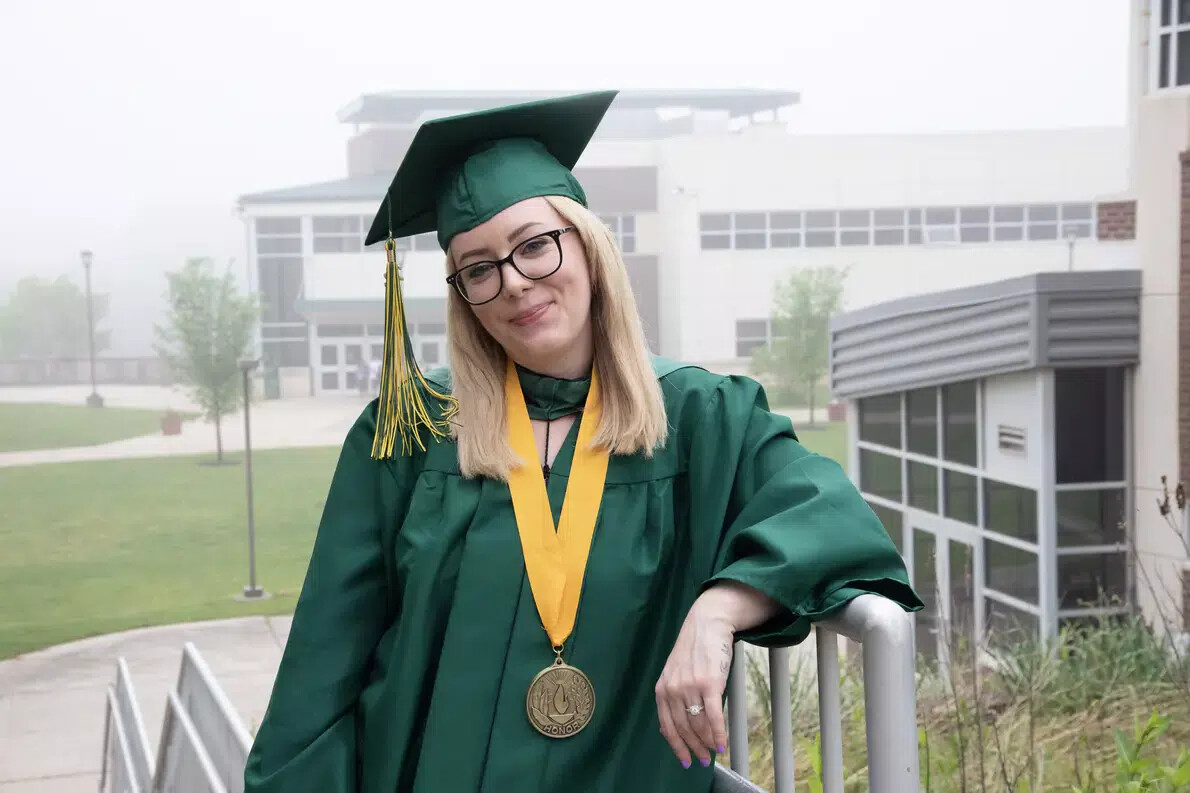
(539, 590)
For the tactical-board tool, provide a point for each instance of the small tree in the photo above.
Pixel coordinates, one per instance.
(44, 319)
(208, 329)
(803, 304)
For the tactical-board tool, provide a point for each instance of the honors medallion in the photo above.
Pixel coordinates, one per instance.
(560, 701)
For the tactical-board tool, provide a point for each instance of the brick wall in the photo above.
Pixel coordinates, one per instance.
(1116, 220)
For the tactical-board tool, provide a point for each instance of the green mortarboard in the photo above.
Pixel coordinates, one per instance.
(459, 172)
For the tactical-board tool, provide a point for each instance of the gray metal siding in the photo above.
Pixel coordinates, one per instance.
(1044, 320)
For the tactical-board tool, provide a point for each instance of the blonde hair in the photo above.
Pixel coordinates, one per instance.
(633, 417)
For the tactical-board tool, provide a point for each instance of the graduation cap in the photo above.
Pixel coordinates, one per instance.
(459, 172)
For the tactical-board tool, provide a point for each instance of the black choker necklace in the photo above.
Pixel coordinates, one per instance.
(545, 463)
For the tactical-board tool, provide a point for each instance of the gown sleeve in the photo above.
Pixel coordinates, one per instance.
(307, 739)
(793, 525)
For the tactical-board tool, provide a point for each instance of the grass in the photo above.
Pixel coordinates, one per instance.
(826, 438)
(92, 548)
(24, 427)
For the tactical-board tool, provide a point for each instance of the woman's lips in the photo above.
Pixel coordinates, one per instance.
(530, 316)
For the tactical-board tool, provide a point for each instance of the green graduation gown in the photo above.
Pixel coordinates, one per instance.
(416, 636)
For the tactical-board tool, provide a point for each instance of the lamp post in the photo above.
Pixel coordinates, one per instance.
(94, 400)
(252, 591)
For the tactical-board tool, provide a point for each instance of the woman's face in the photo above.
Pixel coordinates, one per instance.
(534, 321)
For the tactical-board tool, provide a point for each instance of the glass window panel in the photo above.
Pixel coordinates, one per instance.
(353, 353)
(1163, 63)
(336, 225)
(628, 224)
(880, 420)
(959, 430)
(1046, 231)
(1009, 233)
(974, 234)
(923, 486)
(940, 215)
(1010, 570)
(266, 246)
(1076, 212)
(745, 347)
(914, 236)
(855, 237)
(1166, 12)
(925, 583)
(1007, 626)
(1183, 12)
(922, 408)
(893, 522)
(1090, 517)
(750, 241)
(286, 353)
(1091, 579)
(337, 245)
(975, 214)
(278, 225)
(330, 355)
(1043, 212)
(426, 242)
(715, 222)
(339, 331)
(1080, 230)
(785, 220)
(1011, 214)
(429, 352)
(1010, 510)
(431, 328)
(716, 242)
(820, 239)
(1089, 425)
(1183, 73)
(374, 330)
(914, 217)
(853, 218)
(330, 381)
(961, 629)
(820, 219)
(750, 221)
(890, 236)
(889, 217)
(752, 328)
(962, 498)
(352, 380)
(941, 234)
(785, 239)
(880, 474)
(377, 352)
(628, 243)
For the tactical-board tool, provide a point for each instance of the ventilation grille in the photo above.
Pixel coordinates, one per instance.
(1011, 439)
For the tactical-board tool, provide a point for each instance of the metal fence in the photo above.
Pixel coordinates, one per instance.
(204, 744)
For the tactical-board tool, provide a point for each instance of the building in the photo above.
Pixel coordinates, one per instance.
(1061, 401)
(713, 199)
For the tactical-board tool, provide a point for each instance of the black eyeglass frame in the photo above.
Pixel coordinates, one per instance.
(555, 235)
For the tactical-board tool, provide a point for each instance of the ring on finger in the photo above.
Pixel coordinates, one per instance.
(694, 710)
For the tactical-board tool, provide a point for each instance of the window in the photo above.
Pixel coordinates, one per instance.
(1090, 517)
(941, 225)
(281, 226)
(1089, 425)
(893, 521)
(922, 409)
(961, 497)
(923, 486)
(330, 381)
(623, 228)
(880, 474)
(925, 583)
(429, 353)
(426, 242)
(888, 227)
(855, 227)
(715, 231)
(880, 420)
(339, 234)
(1010, 570)
(1008, 224)
(431, 328)
(330, 355)
(749, 232)
(1042, 222)
(1010, 510)
(1007, 626)
(339, 331)
(1076, 220)
(959, 429)
(280, 280)
(785, 229)
(1091, 579)
(750, 334)
(820, 229)
(1173, 45)
(275, 246)
(285, 353)
(975, 224)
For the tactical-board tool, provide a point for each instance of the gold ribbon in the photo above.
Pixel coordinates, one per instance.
(555, 560)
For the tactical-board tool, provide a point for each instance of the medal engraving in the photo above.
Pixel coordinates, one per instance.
(560, 701)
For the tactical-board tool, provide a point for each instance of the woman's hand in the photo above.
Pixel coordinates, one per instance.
(695, 674)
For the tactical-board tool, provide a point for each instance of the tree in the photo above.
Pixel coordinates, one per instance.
(44, 319)
(798, 355)
(208, 329)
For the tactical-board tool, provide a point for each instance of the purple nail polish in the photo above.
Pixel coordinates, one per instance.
(721, 749)
(685, 764)
(706, 762)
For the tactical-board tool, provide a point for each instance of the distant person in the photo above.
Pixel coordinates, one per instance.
(448, 639)
(362, 377)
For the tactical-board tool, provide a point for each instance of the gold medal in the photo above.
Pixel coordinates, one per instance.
(561, 700)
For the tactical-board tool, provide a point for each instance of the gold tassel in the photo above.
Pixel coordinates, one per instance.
(403, 388)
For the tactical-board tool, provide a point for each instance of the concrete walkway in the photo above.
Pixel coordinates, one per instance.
(52, 701)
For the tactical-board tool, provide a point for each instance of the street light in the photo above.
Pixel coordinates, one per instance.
(252, 591)
(94, 400)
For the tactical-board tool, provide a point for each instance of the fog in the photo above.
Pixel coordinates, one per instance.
(130, 128)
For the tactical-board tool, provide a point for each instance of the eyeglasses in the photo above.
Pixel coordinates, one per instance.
(536, 258)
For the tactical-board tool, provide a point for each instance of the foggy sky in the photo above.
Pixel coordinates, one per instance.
(130, 128)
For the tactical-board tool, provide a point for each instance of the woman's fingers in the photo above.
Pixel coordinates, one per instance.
(670, 731)
(681, 720)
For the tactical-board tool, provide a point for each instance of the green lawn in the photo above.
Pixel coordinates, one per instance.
(98, 547)
(828, 439)
(36, 426)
